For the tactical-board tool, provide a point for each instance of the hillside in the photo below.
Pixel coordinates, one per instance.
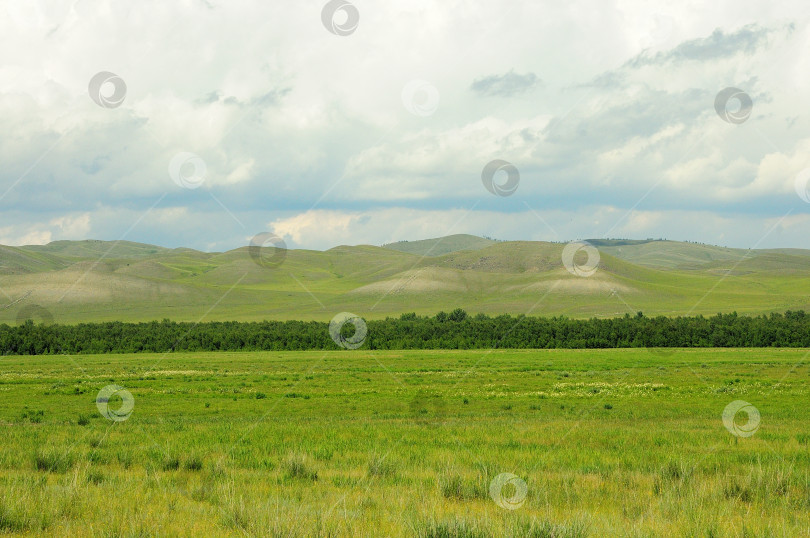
(97, 281)
(670, 254)
(441, 245)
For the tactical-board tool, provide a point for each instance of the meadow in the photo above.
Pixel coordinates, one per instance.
(406, 443)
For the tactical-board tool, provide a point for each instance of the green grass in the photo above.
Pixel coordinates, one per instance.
(619, 442)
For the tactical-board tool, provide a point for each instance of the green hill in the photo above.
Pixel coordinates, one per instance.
(92, 248)
(96, 280)
(441, 245)
(670, 254)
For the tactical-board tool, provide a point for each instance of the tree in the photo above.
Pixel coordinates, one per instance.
(458, 315)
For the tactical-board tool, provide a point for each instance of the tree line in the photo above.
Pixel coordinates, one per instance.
(446, 330)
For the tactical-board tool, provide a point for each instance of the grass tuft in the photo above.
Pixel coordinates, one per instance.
(296, 466)
(534, 528)
(170, 463)
(194, 463)
(54, 461)
(382, 467)
(455, 528)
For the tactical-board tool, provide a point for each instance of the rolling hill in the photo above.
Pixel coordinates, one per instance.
(79, 281)
(441, 245)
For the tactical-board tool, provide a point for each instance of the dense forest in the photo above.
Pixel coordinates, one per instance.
(454, 330)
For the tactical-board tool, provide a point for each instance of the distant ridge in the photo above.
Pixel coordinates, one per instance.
(618, 242)
(78, 281)
(95, 247)
(441, 245)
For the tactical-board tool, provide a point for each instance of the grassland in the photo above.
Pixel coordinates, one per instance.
(83, 281)
(361, 443)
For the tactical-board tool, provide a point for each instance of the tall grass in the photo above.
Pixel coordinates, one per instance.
(355, 460)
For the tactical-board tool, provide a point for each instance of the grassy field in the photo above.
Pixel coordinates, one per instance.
(360, 443)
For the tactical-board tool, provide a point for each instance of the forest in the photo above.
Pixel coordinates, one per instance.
(453, 330)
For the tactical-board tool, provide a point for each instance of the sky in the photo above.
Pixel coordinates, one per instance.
(203, 123)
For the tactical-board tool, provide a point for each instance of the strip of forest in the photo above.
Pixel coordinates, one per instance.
(453, 330)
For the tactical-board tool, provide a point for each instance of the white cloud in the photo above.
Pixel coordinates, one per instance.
(243, 172)
(10, 236)
(74, 227)
(281, 110)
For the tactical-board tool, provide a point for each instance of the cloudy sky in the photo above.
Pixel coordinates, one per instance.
(371, 122)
